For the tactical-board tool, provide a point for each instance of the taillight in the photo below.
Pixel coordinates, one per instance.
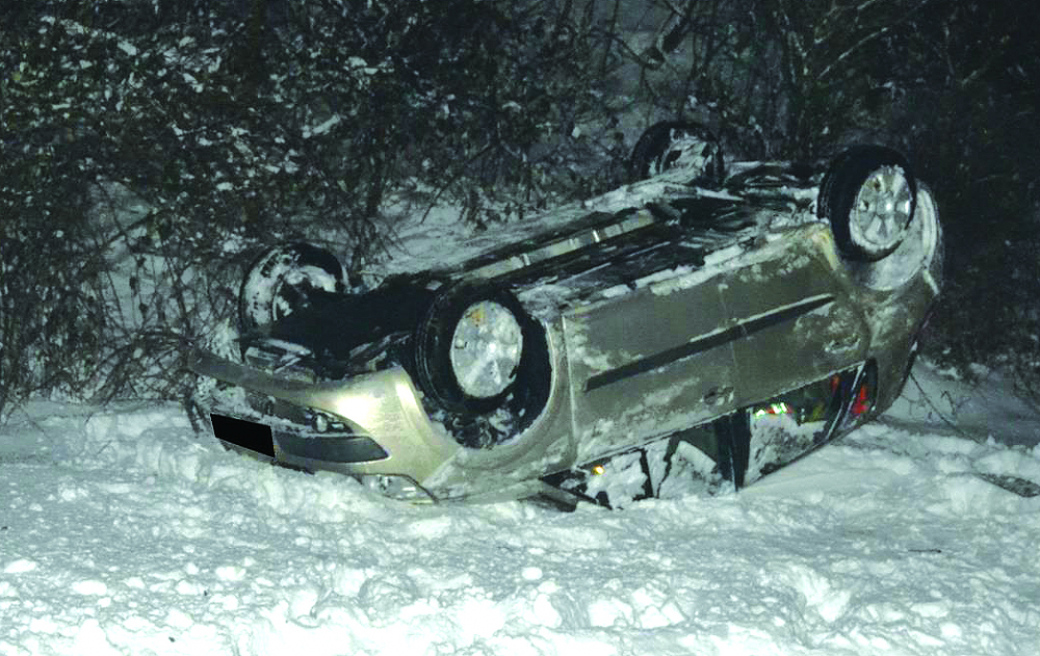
(862, 403)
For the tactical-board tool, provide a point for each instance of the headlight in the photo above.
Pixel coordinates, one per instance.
(486, 348)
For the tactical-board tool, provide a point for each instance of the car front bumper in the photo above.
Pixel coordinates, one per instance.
(370, 426)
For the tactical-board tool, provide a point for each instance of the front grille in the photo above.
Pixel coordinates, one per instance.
(283, 359)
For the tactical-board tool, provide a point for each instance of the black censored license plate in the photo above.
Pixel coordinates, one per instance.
(246, 434)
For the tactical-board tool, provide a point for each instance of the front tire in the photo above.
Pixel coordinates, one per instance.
(285, 279)
(484, 362)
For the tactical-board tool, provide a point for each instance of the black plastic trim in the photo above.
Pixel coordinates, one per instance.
(332, 448)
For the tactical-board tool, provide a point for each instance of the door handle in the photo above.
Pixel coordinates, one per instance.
(717, 395)
(842, 344)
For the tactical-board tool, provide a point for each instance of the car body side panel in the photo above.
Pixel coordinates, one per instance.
(797, 320)
(897, 293)
(897, 320)
(646, 363)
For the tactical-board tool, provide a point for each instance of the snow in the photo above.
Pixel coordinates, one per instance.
(122, 532)
(322, 128)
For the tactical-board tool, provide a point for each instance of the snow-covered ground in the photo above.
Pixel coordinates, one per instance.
(122, 532)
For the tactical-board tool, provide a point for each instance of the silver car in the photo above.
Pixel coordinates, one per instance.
(695, 329)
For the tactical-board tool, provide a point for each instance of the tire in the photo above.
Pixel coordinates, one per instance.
(671, 145)
(868, 196)
(524, 391)
(285, 279)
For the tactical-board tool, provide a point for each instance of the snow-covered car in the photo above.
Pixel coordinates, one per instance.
(702, 326)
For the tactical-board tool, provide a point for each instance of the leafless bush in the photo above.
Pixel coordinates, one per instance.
(150, 150)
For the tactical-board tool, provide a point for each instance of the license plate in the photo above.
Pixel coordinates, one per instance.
(246, 434)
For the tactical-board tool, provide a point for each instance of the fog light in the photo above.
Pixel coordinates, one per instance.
(397, 487)
(323, 422)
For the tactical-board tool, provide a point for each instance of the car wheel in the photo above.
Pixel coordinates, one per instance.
(869, 196)
(477, 353)
(285, 279)
(672, 145)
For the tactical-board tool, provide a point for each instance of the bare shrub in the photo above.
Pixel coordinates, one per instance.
(149, 150)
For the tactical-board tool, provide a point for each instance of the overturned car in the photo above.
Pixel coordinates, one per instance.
(699, 328)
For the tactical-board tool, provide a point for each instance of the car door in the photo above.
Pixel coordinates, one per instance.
(800, 333)
(796, 317)
(650, 361)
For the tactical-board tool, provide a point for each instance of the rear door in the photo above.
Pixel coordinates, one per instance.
(649, 361)
(794, 312)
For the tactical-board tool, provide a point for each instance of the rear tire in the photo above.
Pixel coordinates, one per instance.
(869, 196)
(671, 145)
